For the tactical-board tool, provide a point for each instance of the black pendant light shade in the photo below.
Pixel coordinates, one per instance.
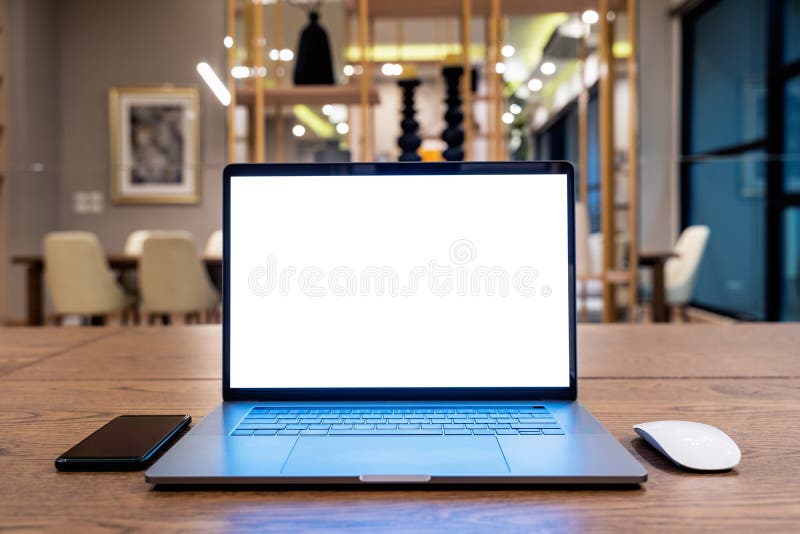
(314, 65)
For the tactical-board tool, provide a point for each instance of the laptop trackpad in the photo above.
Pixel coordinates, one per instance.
(392, 455)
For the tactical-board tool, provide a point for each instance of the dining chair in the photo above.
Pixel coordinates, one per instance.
(588, 277)
(79, 280)
(680, 272)
(214, 245)
(173, 279)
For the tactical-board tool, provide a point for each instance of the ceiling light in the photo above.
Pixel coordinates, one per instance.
(286, 55)
(590, 16)
(516, 109)
(228, 41)
(392, 69)
(507, 51)
(327, 109)
(548, 68)
(500, 68)
(535, 84)
(508, 118)
(274, 54)
(348, 70)
(240, 71)
(214, 83)
(298, 130)
(342, 128)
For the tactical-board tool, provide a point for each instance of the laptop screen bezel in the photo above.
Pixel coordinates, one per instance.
(241, 170)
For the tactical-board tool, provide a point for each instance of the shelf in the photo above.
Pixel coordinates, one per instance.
(312, 95)
(452, 8)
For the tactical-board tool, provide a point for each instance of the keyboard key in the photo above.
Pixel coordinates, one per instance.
(295, 427)
(458, 431)
(483, 432)
(319, 427)
(463, 420)
(263, 427)
(363, 427)
(529, 432)
(385, 427)
(267, 432)
(407, 426)
(238, 432)
(506, 432)
(376, 432)
(311, 432)
(341, 427)
(552, 432)
(453, 427)
(288, 432)
(430, 426)
(506, 420)
(474, 426)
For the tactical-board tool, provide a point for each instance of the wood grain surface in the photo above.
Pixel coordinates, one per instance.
(743, 379)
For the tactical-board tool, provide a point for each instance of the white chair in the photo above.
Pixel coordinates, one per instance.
(588, 284)
(680, 272)
(173, 278)
(79, 280)
(214, 245)
(135, 242)
(133, 247)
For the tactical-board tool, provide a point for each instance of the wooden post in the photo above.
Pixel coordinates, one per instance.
(257, 54)
(363, 38)
(277, 29)
(633, 160)
(231, 60)
(583, 126)
(495, 124)
(607, 218)
(466, 17)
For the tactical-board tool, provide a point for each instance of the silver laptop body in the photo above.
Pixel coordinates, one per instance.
(399, 324)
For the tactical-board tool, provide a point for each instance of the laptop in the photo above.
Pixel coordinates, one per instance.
(399, 323)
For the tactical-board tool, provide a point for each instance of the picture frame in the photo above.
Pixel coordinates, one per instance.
(155, 145)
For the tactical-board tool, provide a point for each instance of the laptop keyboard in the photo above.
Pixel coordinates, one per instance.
(527, 421)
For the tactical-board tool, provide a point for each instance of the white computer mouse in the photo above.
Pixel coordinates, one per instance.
(693, 445)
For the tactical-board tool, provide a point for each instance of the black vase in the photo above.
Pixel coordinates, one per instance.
(314, 65)
(453, 134)
(409, 141)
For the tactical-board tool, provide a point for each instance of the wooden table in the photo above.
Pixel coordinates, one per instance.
(656, 261)
(34, 269)
(57, 385)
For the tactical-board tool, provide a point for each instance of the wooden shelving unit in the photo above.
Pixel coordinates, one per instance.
(312, 95)
(3, 151)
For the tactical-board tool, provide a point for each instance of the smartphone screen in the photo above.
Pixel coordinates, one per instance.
(128, 437)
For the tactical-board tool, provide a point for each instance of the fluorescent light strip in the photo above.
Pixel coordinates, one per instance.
(214, 83)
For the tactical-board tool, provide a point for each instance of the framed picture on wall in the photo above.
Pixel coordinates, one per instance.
(155, 145)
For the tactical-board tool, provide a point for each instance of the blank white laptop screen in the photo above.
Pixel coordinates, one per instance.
(399, 281)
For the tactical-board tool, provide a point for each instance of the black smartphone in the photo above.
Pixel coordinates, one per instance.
(126, 443)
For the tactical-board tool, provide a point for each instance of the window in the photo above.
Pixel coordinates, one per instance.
(740, 168)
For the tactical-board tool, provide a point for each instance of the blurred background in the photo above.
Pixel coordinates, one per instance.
(682, 119)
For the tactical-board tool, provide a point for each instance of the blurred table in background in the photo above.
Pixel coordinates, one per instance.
(656, 260)
(59, 384)
(34, 269)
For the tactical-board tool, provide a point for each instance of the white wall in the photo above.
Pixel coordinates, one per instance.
(658, 124)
